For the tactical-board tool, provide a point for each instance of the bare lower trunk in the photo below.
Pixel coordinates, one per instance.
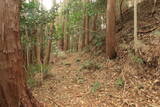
(27, 49)
(48, 52)
(38, 47)
(135, 25)
(110, 33)
(61, 44)
(66, 36)
(13, 88)
(94, 27)
(87, 31)
(49, 45)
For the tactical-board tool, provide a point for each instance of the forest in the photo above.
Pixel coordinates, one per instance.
(79, 53)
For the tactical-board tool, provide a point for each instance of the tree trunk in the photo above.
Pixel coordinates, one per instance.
(49, 46)
(110, 32)
(135, 25)
(94, 27)
(66, 36)
(87, 19)
(65, 21)
(38, 47)
(87, 30)
(13, 88)
(27, 48)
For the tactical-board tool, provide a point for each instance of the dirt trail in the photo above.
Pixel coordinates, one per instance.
(69, 86)
(64, 88)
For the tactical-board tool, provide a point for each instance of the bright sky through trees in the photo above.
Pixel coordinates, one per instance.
(49, 3)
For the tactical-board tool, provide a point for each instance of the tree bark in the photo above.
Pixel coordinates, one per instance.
(87, 27)
(13, 88)
(66, 36)
(49, 47)
(38, 46)
(135, 25)
(110, 32)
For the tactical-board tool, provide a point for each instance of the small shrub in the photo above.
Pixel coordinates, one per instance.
(66, 63)
(119, 82)
(95, 86)
(38, 68)
(35, 74)
(136, 59)
(80, 80)
(78, 60)
(31, 82)
(62, 55)
(90, 65)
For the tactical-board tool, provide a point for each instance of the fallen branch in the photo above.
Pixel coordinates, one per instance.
(148, 31)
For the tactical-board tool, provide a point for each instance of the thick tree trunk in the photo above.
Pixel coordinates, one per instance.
(110, 33)
(13, 89)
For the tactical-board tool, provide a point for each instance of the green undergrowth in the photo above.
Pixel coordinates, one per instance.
(36, 73)
(136, 59)
(90, 65)
(95, 86)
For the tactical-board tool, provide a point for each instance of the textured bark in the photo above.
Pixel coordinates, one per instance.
(13, 89)
(110, 32)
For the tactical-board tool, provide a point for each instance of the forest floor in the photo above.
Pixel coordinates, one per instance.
(79, 81)
(90, 80)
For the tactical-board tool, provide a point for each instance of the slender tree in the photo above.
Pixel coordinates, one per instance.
(87, 27)
(65, 21)
(135, 25)
(13, 88)
(110, 29)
